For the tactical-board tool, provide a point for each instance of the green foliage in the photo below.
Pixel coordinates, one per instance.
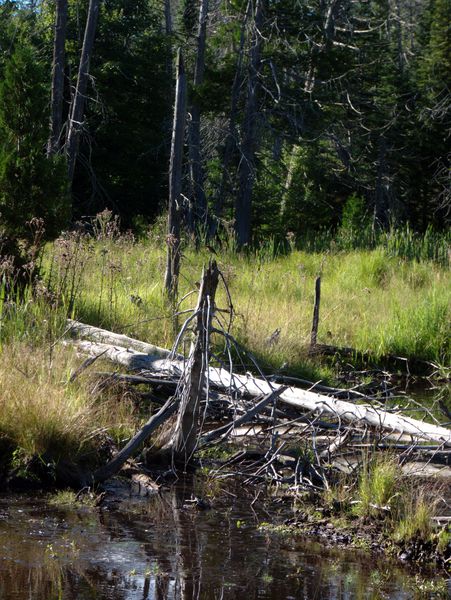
(416, 521)
(31, 186)
(126, 167)
(378, 486)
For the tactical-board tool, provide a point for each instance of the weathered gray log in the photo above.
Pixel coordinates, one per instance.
(360, 414)
(96, 334)
(113, 466)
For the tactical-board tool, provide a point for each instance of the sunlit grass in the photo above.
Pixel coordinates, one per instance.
(378, 486)
(370, 301)
(43, 414)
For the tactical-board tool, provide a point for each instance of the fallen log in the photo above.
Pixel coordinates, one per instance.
(113, 466)
(358, 414)
(96, 334)
(224, 430)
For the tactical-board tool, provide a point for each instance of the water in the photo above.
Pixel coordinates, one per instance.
(161, 548)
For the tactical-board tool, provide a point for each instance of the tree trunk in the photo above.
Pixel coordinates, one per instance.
(78, 105)
(243, 203)
(57, 92)
(175, 182)
(199, 209)
(186, 431)
(169, 32)
(382, 189)
(231, 137)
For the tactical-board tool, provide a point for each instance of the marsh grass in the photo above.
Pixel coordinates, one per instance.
(405, 507)
(42, 414)
(415, 521)
(371, 301)
(378, 486)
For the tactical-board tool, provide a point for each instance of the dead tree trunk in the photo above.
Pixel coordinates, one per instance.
(169, 32)
(315, 322)
(382, 189)
(59, 42)
(113, 466)
(198, 218)
(175, 182)
(247, 161)
(186, 432)
(78, 105)
(231, 137)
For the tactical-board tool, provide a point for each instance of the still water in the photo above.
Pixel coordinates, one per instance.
(162, 548)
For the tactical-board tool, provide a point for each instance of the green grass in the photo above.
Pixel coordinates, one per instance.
(42, 414)
(371, 301)
(378, 487)
(416, 521)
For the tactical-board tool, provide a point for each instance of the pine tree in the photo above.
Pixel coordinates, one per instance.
(30, 184)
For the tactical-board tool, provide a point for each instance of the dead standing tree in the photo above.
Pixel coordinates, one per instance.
(78, 104)
(186, 434)
(57, 92)
(175, 182)
(243, 203)
(198, 216)
(232, 133)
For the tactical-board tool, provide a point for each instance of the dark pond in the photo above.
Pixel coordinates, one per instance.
(160, 548)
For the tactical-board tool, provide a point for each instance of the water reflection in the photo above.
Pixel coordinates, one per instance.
(165, 550)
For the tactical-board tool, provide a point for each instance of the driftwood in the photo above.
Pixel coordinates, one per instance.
(345, 411)
(224, 430)
(113, 466)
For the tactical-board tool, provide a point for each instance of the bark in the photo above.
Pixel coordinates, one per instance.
(78, 104)
(175, 182)
(169, 32)
(57, 90)
(315, 322)
(291, 169)
(186, 431)
(348, 412)
(243, 205)
(199, 209)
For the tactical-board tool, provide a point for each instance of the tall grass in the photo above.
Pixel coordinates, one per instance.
(378, 486)
(43, 414)
(371, 300)
(399, 242)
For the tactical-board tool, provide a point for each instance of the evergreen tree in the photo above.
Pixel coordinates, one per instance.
(30, 185)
